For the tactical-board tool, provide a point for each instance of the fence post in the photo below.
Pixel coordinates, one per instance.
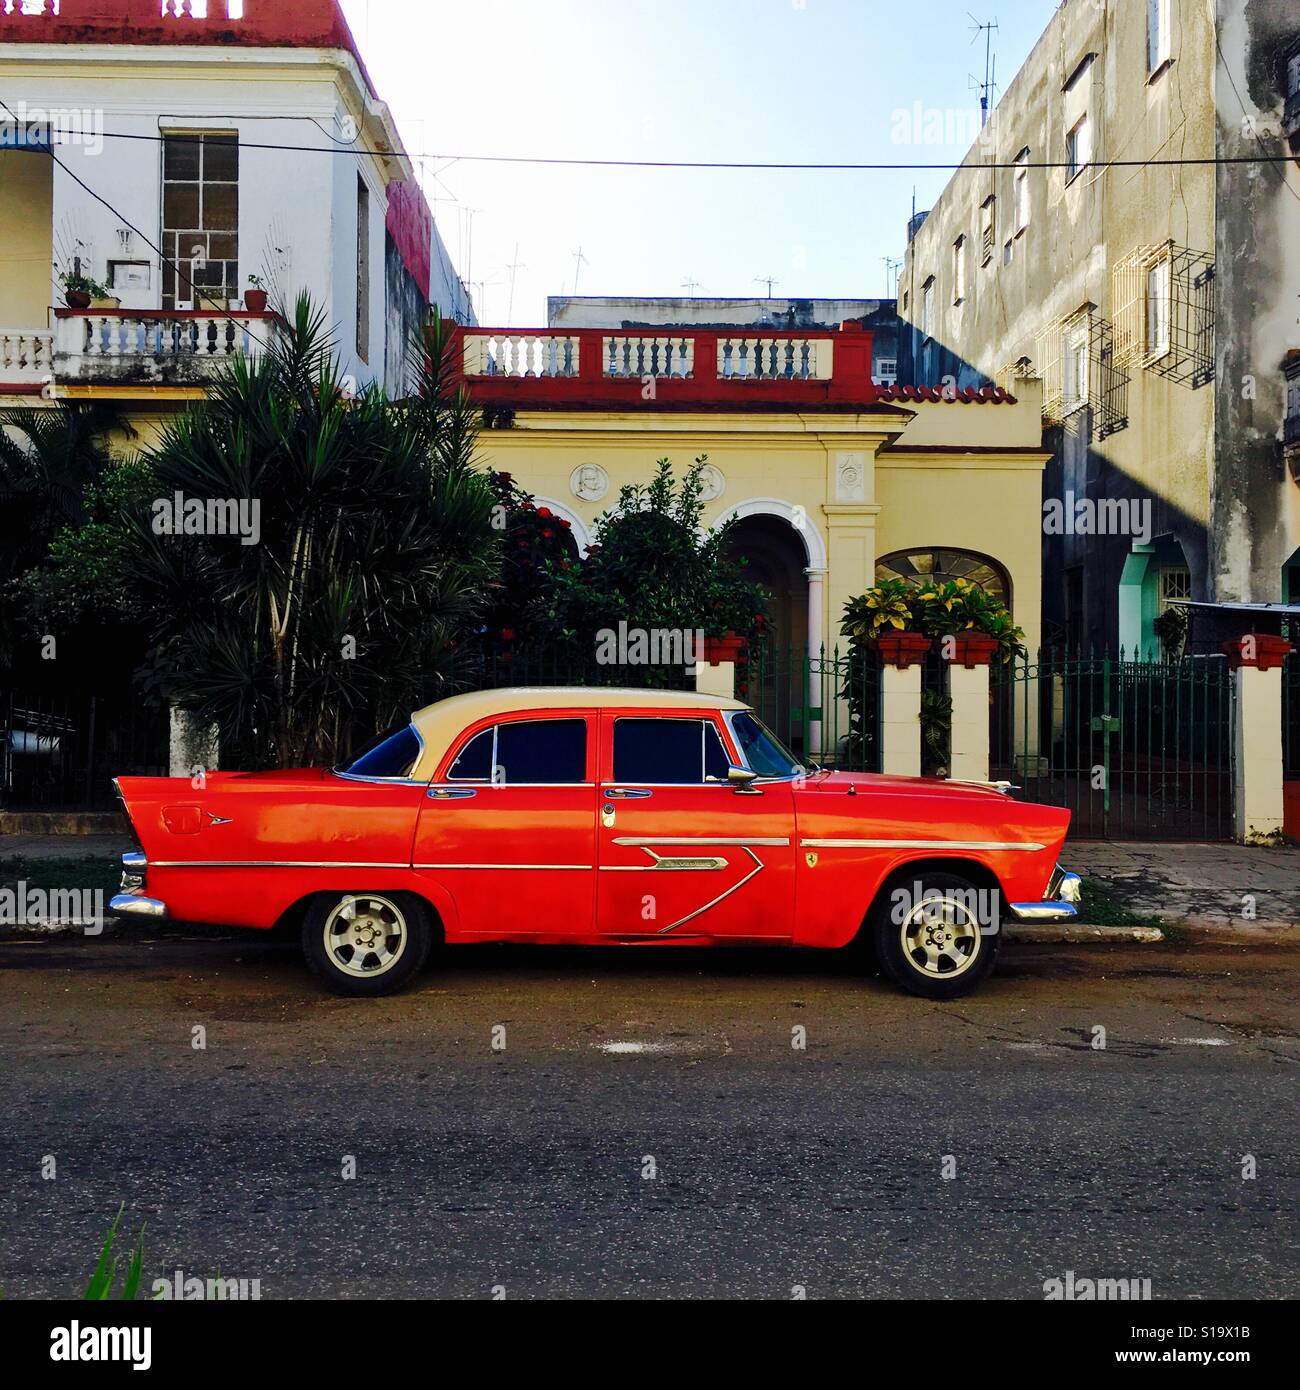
(1256, 660)
(968, 688)
(900, 720)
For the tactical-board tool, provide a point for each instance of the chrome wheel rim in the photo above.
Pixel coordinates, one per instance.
(941, 937)
(365, 935)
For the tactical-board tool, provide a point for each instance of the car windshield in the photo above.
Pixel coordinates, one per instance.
(393, 754)
(762, 751)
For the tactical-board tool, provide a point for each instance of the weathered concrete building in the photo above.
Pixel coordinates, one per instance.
(1156, 299)
(172, 153)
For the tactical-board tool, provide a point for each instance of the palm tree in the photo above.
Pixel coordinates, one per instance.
(375, 546)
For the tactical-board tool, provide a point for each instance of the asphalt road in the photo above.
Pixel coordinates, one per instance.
(774, 1167)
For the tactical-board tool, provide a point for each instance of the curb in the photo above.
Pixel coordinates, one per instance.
(62, 823)
(1077, 933)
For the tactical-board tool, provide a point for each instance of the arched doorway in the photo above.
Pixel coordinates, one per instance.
(775, 557)
(940, 564)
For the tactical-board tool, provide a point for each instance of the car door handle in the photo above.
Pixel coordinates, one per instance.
(625, 793)
(450, 793)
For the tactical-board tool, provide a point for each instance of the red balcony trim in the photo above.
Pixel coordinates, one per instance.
(165, 314)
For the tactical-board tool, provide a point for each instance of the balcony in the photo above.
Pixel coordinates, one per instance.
(26, 358)
(712, 369)
(152, 347)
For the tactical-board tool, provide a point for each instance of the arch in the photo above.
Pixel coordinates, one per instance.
(813, 543)
(917, 562)
(578, 527)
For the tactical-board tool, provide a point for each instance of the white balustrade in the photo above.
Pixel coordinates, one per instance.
(752, 358)
(132, 347)
(648, 356)
(26, 354)
(521, 354)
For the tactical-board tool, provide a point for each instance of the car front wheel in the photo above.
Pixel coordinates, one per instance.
(936, 934)
(366, 943)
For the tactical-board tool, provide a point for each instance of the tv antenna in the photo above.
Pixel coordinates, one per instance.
(990, 65)
(768, 280)
(690, 286)
(578, 260)
(515, 265)
(892, 267)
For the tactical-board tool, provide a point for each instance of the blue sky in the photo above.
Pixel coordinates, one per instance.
(802, 80)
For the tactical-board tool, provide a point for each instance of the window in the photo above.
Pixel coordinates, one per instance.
(1158, 308)
(528, 752)
(668, 751)
(1175, 582)
(1076, 367)
(1078, 147)
(391, 755)
(363, 270)
(1020, 190)
(1158, 46)
(927, 308)
(959, 269)
(1009, 251)
(762, 751)
(887, 371)
(200, 219)
(988, 229)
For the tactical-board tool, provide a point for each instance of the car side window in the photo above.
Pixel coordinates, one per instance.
(669, 751)
(551, 752)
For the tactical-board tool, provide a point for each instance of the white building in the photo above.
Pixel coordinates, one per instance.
(171, 152)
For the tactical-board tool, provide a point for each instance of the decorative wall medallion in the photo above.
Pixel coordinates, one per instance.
(712, 483)
(589, 481)
(850, 478)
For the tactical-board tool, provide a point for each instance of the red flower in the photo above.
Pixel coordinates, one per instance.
(546, 535)
(543, 511)
(508, 633)
(566, 524)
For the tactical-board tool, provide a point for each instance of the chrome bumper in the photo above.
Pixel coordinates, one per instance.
(1064, 893)
(133, 905)
(131, 902)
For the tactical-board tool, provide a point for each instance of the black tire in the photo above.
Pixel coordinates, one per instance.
(400, 924)
(943, 911)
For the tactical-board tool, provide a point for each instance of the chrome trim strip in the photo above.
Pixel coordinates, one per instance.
(922, 844)
(670, 862)
(502, 866)
(132, 905)
(743, 841)
(271, 864)
(690, 916)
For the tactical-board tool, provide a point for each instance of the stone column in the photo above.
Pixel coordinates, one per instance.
(1257, 737)
(819, 688)
(900, 720)
(968, 687)
(716, 678)
(191, 745)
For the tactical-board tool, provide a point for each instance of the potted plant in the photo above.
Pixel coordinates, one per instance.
(884, 618)
(729, 647)
(1171, 632)
(255, 296)
(973, 625)
(80, 291)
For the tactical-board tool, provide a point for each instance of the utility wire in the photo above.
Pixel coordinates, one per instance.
(793, 166)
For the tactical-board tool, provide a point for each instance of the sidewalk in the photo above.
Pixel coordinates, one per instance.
(1202, 884)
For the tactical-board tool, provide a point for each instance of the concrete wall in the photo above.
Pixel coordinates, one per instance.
(1256, 504)
(25, 245)
(1064, 259)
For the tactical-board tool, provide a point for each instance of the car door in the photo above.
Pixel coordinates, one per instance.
(681, 852)
(507, 826)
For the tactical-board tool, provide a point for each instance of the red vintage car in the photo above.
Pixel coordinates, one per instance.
(595, 816)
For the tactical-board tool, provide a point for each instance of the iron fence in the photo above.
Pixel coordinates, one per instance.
(1291, 716)
(1134, 748)
(825, 707)
(60, 752)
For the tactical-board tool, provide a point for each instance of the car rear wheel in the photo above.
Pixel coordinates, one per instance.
(936, 934)
(366, 943)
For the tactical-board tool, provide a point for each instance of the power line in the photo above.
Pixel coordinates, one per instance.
(829, 166)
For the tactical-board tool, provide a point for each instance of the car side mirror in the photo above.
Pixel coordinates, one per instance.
(741, 779)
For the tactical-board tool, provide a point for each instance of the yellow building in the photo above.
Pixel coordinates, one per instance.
(833, 480)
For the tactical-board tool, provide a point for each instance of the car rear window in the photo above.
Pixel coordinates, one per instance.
(551, 752)
(392, 755)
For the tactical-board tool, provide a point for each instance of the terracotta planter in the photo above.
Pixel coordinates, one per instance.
(1270, 651)
(76, 299)
(901, 649)
(255, 301)
(107, 301)
(971, 648)
(729, 647)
